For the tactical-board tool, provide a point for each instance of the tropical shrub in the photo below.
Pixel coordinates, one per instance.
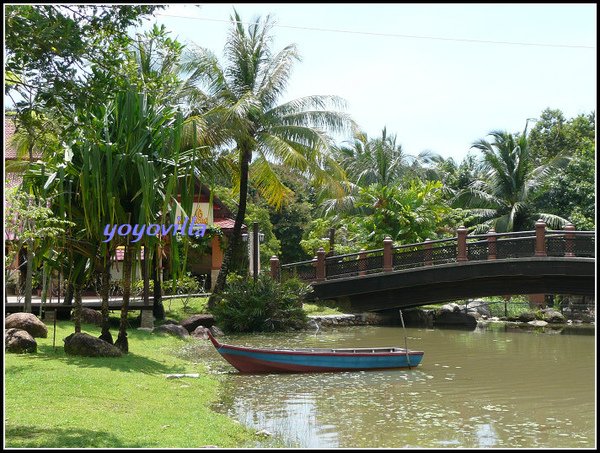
(264, 305)
(185, 284)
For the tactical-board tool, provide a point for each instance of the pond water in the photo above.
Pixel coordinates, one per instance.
(482, 388)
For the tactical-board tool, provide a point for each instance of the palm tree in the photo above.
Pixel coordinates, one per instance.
(380, 160)
(503, 197)
(241, 97)
(370, 161)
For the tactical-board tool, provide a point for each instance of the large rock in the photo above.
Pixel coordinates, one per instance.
(28, 322)
(86, 345)
(198, 320)
(172, 329)
(452, 307)
(538, 323)
(527, 316)
(446, 318)
(417, 317)
(18, 341)
(90, 316)
(553, 316)
(480, 307)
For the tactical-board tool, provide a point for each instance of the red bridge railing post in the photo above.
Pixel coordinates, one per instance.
(362, 265)
(275, 268)
(320, 265)
(569, 240)
(492, 244)
(540, 238)
(427, 253)
(461, 236)
(388, 254)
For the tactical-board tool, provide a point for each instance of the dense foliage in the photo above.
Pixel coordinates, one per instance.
(264, 305)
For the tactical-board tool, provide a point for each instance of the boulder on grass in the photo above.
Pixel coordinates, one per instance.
(88, 346)
(194, 321)
(28, 322)
(19, 341)
(91, 316)
(172, 329)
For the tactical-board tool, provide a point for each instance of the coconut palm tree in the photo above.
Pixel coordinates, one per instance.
(375, 161)
(503, 197)
(241, 98)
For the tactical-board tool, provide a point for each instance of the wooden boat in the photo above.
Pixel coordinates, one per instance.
(256, 360)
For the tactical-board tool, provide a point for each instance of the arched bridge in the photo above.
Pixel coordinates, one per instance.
(465, 266)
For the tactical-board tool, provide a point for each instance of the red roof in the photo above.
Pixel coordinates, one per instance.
(226, 224)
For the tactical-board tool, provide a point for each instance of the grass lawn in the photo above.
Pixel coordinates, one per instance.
(326, 307)
(179, 309)
(54, 400)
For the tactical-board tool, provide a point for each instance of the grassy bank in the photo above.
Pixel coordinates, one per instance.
(54, 400)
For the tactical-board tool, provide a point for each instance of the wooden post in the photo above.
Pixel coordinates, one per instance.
(569, 240)
(540, 238)
(255, 256)
(388, 255)
(461, 236)
(362, 265)
(427, 254)
(274, 268)
(320, 264)
(492, 244)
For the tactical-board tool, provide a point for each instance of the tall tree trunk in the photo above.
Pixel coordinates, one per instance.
(69, 293)
(29, 277)
(146, 276)
(158, 309)
(236, 239)
(44, 284)
(122, 342)
(104, 293)
(77, 307)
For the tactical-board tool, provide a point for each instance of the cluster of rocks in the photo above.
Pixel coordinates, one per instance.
(358, 319)
(20, 331)
(196, 326)
(477, 312)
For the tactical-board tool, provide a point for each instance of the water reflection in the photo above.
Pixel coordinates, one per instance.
(473, 389)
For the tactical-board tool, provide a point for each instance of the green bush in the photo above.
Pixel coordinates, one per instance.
(183, 285)
(246, 306)
(137, 288)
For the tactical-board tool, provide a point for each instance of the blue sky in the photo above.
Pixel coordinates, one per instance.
(435, 95)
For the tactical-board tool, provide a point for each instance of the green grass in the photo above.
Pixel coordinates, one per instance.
(179, 309)
(326, 307)
(53, 400)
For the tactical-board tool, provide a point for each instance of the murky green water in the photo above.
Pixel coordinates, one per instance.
(478, 388)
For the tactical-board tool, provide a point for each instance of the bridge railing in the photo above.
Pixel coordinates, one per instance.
(424, 254)
(461, 248)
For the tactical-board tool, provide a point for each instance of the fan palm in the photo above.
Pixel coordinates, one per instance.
(503, 198)
(241, 99)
